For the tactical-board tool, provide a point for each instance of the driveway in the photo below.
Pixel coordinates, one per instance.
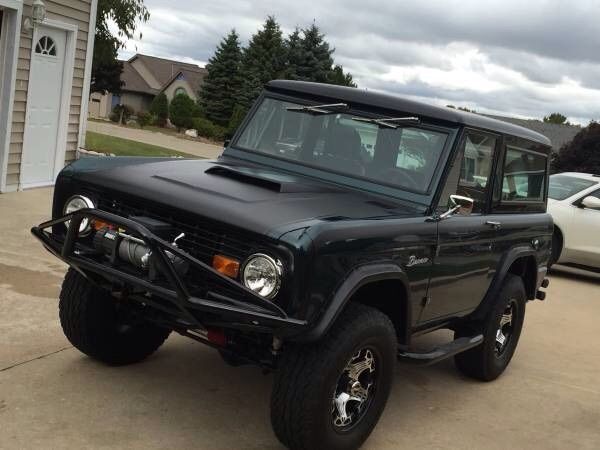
(184, 396)
(192, 147)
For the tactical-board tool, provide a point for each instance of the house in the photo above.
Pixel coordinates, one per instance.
(46, 52)
(559, 134)
(143, 78)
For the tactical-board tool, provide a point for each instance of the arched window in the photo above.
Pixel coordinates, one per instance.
(180, 91)
(46, 46)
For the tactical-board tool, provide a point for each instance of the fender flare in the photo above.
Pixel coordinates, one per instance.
(507, 260)
(357, 278)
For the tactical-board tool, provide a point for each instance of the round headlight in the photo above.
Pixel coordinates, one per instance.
(76, 203)
(262, 274)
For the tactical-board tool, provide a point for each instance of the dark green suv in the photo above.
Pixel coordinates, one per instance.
(337, 225)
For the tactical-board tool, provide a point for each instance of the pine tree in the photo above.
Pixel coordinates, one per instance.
(263, 60)
(341, 78)
(223, 81)
(315, 61)
(293, 49)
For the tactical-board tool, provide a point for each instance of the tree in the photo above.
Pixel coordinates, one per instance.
(557, 118)
(239, 112)
(582, 154)
(181, 111)
(223, 82)
(160, 108)
(314, 62)
(293, 49)
(262, 61)
(125, 15)
(341, 78)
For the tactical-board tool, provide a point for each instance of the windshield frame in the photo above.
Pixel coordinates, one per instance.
(341, 178)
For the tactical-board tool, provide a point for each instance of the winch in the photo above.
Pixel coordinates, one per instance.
(121, 246)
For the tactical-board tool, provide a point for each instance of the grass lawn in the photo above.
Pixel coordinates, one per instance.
(103, 143)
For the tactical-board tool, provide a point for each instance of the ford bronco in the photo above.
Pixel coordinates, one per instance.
(337, 225)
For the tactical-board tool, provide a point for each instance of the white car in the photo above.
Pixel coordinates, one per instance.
(574, 203)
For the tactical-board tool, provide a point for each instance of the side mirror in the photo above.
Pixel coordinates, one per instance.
(458, 204)
(591, 202)
(226, 143)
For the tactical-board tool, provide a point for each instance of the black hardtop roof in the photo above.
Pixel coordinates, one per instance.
(398, 103)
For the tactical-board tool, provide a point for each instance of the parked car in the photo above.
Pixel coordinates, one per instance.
(337, 225)
(574, 203)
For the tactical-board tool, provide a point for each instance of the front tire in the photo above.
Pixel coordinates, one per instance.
(501, 330)
(94, 323)
(330, 395)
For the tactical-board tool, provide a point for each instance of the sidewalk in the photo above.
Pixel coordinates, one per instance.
(196, 148)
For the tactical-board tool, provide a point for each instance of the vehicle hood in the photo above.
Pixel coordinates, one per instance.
(260, 199)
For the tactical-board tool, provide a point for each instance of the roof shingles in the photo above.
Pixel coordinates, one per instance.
(164, 70)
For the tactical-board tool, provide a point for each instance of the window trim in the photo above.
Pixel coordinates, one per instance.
(460, 143)
(510, 206)
(353, 181)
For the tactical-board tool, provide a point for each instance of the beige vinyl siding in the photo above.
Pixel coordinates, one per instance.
(74, 12)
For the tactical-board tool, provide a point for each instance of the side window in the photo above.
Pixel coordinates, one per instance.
(476, 166)
(524, 176)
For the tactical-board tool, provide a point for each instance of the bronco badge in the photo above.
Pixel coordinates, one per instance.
(413, 261)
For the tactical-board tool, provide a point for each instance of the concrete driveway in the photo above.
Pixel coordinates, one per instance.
(51, 396)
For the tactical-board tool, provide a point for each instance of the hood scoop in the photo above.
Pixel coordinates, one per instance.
(246, 177)
(273, 181)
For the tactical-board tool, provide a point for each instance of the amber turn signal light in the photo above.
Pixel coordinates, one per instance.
(226, 266)
(100, 224)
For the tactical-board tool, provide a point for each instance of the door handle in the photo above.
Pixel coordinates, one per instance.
(493, 224)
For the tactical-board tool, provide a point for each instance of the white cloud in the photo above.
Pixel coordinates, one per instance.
(510, 57)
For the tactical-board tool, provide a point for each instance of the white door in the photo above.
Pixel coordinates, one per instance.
(44, 104)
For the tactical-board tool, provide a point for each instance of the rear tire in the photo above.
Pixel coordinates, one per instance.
(557, 244)
(501, 330)
(92, 321)
(330, 395)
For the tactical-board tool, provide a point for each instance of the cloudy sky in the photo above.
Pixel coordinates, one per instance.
(523, 58)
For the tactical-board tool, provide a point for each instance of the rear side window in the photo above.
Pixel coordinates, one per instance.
(524, 176)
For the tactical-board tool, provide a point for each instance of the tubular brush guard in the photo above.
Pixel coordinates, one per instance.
(253, 313)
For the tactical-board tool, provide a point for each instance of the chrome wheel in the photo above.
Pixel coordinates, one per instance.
(504, 332)
(354, 390)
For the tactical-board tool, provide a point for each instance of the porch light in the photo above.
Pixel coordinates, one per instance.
(38, 15)
(39, 11)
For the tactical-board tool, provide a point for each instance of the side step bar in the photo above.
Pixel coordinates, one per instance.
(439, 353)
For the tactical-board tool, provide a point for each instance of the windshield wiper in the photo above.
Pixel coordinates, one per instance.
(318, 109)
(390, 122)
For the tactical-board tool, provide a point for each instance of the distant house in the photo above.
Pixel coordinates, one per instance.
(559, 134)
(45, 65)
(143, 78)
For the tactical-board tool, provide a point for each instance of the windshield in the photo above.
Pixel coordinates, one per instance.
(564, 186)
(329, 137)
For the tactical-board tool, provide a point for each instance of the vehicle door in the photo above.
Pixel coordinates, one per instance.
(584, 246)
(464, 254)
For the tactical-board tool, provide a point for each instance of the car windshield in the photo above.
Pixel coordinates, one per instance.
(564, 186)
(391, 151)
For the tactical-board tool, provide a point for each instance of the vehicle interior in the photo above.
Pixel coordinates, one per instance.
(402, 156)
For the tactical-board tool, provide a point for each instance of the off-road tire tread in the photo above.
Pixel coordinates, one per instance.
(474, 363)
(294, 379)
(78, 308)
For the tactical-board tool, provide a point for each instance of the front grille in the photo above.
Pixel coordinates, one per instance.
(203, 238)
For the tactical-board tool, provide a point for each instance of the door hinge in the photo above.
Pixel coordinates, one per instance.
(425, 301)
